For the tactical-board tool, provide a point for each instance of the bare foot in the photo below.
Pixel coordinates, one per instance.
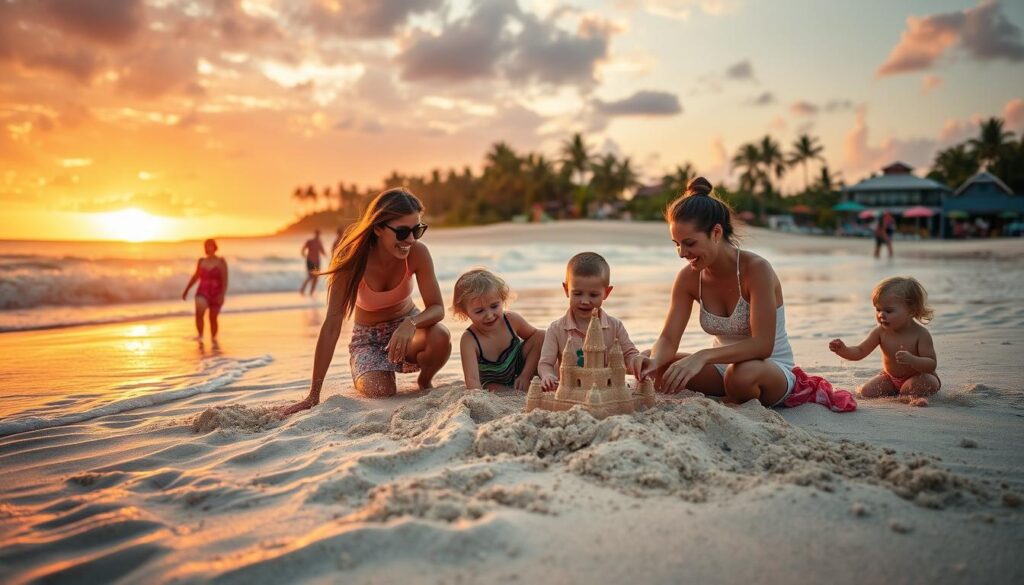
(304, 404)
(424, 384)
(919, 401)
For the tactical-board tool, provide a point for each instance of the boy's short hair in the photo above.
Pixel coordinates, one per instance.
(588, 264)
(912, 293)
(472, 285)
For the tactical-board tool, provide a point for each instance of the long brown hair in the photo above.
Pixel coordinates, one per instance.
(349, 262)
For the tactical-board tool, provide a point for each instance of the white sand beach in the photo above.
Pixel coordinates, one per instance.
(205, 484)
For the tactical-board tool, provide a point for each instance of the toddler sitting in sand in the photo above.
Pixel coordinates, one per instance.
(908, 356)
(481, 296)
(587, 279)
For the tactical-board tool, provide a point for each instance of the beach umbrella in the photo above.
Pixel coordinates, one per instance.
(867, 213)
(848, 206)
(801, 208)
(746, 215)
(919, 211)
(1008, 214)
(957, 214)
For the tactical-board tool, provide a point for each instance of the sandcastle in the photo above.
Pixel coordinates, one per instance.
(599, 386)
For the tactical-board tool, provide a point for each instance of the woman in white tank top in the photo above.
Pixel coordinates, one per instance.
(740, 302)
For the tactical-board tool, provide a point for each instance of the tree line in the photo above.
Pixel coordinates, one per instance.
(579, 181)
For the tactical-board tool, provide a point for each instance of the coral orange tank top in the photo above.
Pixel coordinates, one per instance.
(368, 299)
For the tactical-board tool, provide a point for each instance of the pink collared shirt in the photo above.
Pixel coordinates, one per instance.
(561, 330)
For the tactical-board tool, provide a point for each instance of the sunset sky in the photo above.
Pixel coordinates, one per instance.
(189, 119)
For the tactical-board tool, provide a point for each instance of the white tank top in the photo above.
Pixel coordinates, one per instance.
(736, 327)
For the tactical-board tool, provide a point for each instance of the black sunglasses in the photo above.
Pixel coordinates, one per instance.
(401, 233)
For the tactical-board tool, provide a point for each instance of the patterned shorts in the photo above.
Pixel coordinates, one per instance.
(368, 350)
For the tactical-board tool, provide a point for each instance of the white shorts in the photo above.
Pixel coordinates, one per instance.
(787, 371)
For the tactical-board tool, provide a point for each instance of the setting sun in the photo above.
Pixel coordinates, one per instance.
(131, 225)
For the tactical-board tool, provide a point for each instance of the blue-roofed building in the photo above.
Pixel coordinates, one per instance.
(897, 189)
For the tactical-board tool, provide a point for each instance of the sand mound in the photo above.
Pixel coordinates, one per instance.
(694, 448)
(697, 448)
(234, 417)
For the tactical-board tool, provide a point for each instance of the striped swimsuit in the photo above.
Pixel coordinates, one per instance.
(507, 367)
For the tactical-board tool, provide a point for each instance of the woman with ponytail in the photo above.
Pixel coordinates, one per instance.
(740, 302)
(371, 278)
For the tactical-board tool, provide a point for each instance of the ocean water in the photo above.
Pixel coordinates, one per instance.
(93, 329)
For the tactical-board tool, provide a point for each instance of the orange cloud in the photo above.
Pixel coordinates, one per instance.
(983, 32)
(1013, 113)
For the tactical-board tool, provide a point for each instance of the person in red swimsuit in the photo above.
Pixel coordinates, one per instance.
(212, 274)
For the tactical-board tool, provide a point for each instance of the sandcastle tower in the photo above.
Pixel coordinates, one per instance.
(599, 385)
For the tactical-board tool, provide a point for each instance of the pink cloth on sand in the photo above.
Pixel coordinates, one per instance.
(817, 389)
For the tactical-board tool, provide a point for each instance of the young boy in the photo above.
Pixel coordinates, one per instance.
(587, 279)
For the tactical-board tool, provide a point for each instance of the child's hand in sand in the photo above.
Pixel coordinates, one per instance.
(836, 345)
(648, 368)
(548, 383)
(522, 383)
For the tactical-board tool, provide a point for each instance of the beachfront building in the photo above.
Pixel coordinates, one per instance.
(897, 190)
(983, 205)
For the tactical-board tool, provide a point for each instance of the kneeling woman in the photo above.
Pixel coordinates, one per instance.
(740, 302)
(371, 275)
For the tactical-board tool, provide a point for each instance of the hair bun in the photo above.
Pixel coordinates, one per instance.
(698, 186)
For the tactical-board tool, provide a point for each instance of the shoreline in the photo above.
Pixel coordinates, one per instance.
(638, 233)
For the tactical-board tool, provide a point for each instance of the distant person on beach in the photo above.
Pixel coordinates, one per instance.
(514, 344)
(908, 354)
(371, 276)
(740, 302)
(313, 249)
(212, 274)
(587, 284)
(885, 228)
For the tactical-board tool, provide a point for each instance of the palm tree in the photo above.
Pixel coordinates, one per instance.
(299, 195)
(310, 196)
(327, 196)
(991, 141)
(805, 148)
(954, 165)
(748, 160)
(576, 156)
(626, 176)
(502, 184)
(773, 161)
(602, 177)
(827, 181)
(676, 181)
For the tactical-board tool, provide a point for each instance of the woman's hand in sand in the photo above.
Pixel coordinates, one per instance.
(679, 374)
(836, 345)
(549, 383)
(399, 342)
(304, 404)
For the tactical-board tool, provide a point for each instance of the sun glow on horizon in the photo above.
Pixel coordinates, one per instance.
(132, 225)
